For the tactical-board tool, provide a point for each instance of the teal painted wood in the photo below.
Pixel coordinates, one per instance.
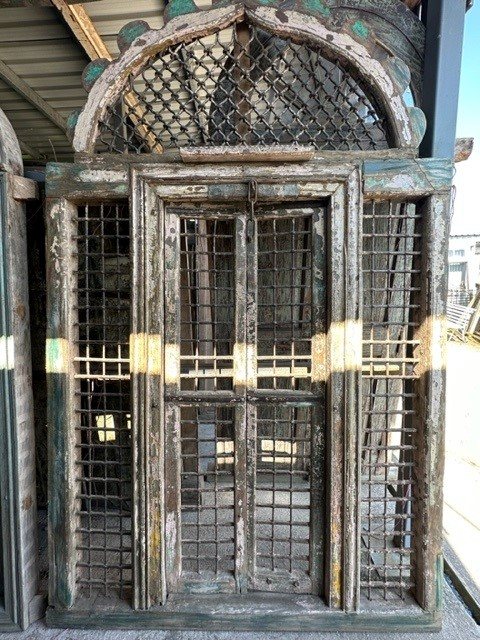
(320, 622)
(61, 549)
(406, 178)
(9, 489)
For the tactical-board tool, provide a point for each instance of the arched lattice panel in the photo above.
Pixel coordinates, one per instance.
(243, 85)
(247, 74)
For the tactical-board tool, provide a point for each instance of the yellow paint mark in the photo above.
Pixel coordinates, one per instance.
(57, 355)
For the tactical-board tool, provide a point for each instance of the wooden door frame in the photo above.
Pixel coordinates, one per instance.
(388, 175)
(337, 362)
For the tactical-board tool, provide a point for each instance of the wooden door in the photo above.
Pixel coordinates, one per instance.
(244, 419)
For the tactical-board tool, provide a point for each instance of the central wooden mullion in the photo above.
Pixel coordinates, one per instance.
(251, 249)
(240, 389)
(173, 458)
(319, 390)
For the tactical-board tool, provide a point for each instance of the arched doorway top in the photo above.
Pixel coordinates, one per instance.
(313, 22)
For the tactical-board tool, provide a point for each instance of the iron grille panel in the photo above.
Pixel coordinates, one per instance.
(284, 306)
(207, 491)
(243, 85)
(391, 279)
(207, 285)
(103, 443)
(283, 496)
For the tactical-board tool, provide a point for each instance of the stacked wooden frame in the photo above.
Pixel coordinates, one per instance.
(345, 182)
(19, 601)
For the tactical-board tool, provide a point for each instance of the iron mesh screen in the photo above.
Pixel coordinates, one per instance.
(207, 490)
(283, 493)
(243, 85)
(284, 306)
(103, 444)
(391, 272)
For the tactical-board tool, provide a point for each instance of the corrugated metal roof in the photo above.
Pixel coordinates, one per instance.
(40, 48)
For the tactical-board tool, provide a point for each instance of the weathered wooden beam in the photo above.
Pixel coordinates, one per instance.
(27, 150)
(35, 3)
(91, 41)
(22, 88)
(463, 149)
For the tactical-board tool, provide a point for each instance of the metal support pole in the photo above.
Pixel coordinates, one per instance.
(444, 21)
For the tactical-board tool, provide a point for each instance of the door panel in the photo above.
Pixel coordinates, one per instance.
(244, 449)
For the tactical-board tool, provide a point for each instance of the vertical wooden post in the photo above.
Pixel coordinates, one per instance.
(62, 416)
(431, 403)
(146, 366)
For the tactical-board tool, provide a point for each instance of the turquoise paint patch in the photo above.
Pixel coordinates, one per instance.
(73, 118)
(317, 6)
(131, 33)
(360, 29)
(268, 3)
(180, 8)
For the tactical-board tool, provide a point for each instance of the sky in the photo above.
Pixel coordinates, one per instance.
(466, 216)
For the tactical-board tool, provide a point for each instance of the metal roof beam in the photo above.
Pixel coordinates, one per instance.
(22, 88)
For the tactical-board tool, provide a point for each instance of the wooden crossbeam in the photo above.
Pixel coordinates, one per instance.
(23, 89)
(94, 46)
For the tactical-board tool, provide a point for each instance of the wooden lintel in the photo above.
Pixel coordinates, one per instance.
(277, 153)
(23, 89)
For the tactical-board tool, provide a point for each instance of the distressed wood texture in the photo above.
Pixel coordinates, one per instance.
(430, 411)
(342, 343)
(62, 415)
(18, 514)
(352, 41)
(411, 178)
(146, 366)
(250, 619)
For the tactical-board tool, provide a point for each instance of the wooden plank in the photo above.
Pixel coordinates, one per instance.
(62, 415)
(22, 88)
(245, 153)
(82, 182)
(23, 189)
(430, 406)
(389, 179)
(319, 376)
(241, 427)
(91, 41)
(463, 149)
(247, 621)
(352, 366)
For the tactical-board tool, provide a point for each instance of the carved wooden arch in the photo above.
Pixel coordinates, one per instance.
(308, 21)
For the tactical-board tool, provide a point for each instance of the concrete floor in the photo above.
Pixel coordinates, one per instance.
(462, 469)
(458, 625)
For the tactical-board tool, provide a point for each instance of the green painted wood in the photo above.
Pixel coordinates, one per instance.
(320, 622)
(77, 181)
(406, 178)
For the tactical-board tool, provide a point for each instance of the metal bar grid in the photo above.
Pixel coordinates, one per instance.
(243, 85)
(103, 445)
(207, 290)
(207, 445)
(392, 245)
(284, 300)
(283, 496)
